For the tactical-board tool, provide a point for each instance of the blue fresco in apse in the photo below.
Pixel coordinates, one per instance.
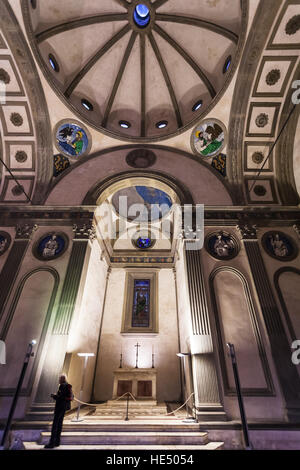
(153, 195)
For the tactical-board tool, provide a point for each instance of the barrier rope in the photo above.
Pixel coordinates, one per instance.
(140, 404)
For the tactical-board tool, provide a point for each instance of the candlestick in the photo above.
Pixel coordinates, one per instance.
(137, 346)
(152, 361)
(121, 357)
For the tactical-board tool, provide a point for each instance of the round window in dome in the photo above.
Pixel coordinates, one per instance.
(143, 243)
(141, 15)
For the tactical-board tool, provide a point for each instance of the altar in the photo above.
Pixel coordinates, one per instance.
(140, 382)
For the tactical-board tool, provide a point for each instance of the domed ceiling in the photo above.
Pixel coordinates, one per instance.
(137, 70)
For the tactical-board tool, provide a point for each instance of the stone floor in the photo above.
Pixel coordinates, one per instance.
(104, 427)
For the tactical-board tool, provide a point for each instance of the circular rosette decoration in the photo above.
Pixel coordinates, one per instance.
(50, 246)
(222, 245)
(5, 240)
(209, 138)
(72, 139)
(280, 246)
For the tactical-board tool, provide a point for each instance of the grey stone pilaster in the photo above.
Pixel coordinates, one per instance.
(58, 342)
(206, 388)
(281, 349)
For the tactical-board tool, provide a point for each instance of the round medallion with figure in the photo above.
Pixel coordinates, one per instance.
(5, 240)
(279, 245)
(221, 245)
(209, 138)
(51, 246)
(72, 139)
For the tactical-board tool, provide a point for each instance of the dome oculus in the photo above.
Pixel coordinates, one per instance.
(141, 15)
(143, 242)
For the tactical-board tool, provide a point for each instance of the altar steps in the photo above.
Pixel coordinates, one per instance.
(208, 446)
(131, 436)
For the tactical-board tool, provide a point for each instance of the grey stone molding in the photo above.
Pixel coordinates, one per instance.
(250, 392)
(40, 344)
(70, 288)
(13, 262)
(206, 382)
(288, 269)
(253, 50)
(281, 349)
(284, 150)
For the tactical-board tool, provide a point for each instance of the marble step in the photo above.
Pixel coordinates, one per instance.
(129, 438)
(128, 426)
(216, 416)
(142, 402)
(208, 446)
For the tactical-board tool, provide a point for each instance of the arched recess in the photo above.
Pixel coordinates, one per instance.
(285, 148)
(205, 184)
(181, 191)
(286, 281)
(236, 322)
(28, 318)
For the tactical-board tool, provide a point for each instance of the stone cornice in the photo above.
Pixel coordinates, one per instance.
(225, 215)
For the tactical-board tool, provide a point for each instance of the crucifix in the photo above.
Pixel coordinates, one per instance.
(137, 346)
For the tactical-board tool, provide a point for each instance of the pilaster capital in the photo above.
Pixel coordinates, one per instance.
(296, 227)
(84, 230)
(247, 231)
(25, 231)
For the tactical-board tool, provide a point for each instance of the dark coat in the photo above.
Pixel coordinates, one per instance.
(62, 396)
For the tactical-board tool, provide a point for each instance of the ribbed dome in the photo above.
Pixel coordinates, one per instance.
(138, 70)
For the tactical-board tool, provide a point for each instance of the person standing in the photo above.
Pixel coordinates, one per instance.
(63, 399)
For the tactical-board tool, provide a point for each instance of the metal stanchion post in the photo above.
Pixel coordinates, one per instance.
(188, 419)
(127, 408)
(28, 355)
(239, 395)
(86, 356)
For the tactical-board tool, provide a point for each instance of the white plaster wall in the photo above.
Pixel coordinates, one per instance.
(84, 331)
(233, 310)
(27, 324)
(184, 315)
(256, 407)
(164, 344)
